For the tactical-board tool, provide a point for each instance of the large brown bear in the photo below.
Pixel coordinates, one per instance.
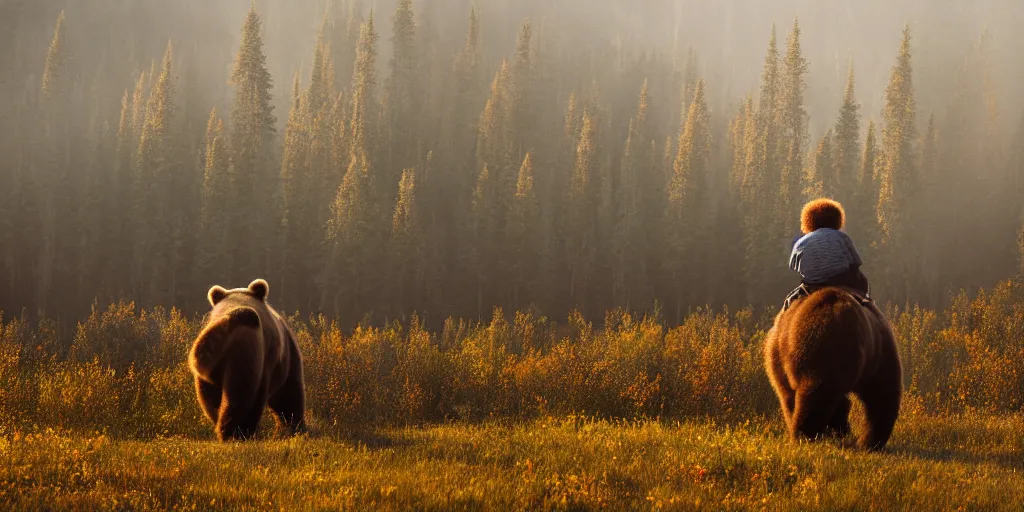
(824, 347)
(244, 359)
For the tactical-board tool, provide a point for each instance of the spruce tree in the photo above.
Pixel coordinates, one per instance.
(818, 181)
(524, 237)
(687, 219)
(484, 241)
(762, 179)
(495, 140)
(407, 245)
(521, 87)
(793, 123)
(321, 80)
(348, 272)
(629, 239)
(847, 147)
(581, 230)
(402, 88)
(897, 183)
(56, 62)
(865, 225)
(153, 176)
(57, 186)
(255, 226)
(301, 233)
(218, 201)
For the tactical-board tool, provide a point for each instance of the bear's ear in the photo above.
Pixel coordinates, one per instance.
(260, 289)
(216, 294)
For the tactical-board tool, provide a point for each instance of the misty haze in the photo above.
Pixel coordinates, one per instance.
(511, 254)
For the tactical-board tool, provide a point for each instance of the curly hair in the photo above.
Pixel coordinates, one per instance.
(822, 213)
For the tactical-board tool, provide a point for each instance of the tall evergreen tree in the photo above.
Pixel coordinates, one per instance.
(629, 239)
(581, 233)
(847, 146)
(687, 219)
(524, 236)
(402, 88)
(865, 226)
(255, 228)
(154, 175)
(898, 136)
(793, 121)
(762, 178)
(484, 243)
(817, 179)
(218, 201)
(348, 272)
(407, 243)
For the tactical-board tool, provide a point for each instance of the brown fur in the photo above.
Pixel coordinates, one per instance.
(822, 213)
(825, 347)
(245, 359)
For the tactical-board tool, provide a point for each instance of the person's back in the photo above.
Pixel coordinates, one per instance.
(824, 255)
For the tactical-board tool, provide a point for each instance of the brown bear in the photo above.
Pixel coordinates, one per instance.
(825, 347)
(244, 359)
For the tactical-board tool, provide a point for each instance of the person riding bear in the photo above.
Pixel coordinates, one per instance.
(825, 255)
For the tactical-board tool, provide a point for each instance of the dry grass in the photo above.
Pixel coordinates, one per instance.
(569, 463)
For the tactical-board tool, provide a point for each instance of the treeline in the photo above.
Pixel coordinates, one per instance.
(450, 184)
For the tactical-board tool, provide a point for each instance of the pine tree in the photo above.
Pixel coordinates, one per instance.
(520, 101)
(495, 140)
(524, 236)
(847, 147)
(817, 179)
(255, 228)
(348, 273)
(687, 220)
(321, 80)
(484, 243)
(899, 132)
(57, 186)
(218, 201)
(301, 233)
(865, 226)
(155, 165)
(407, 245)
(402, 87)
(139, 99)
(468, 74)
(629, 239)
(580, 230)
(793, 122)
(56, 62)
(762, 178)
(738, 145)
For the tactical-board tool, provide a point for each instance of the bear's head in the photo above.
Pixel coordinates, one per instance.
(258, 289)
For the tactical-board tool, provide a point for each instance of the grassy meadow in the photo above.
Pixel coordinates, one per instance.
(519, 412)
(567, 463)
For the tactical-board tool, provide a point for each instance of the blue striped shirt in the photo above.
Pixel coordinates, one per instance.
(822, 255)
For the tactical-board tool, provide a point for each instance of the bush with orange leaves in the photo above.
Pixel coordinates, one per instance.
(122, 371)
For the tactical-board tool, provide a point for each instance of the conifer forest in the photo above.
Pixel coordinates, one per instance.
(530, 250)
(444, 158)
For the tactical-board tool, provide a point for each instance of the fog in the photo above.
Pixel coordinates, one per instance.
(73, 158)
(728, 36)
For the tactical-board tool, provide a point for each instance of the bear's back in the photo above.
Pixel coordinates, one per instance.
(272, 325)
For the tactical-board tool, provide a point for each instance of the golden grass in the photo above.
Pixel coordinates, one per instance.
(566, 463)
